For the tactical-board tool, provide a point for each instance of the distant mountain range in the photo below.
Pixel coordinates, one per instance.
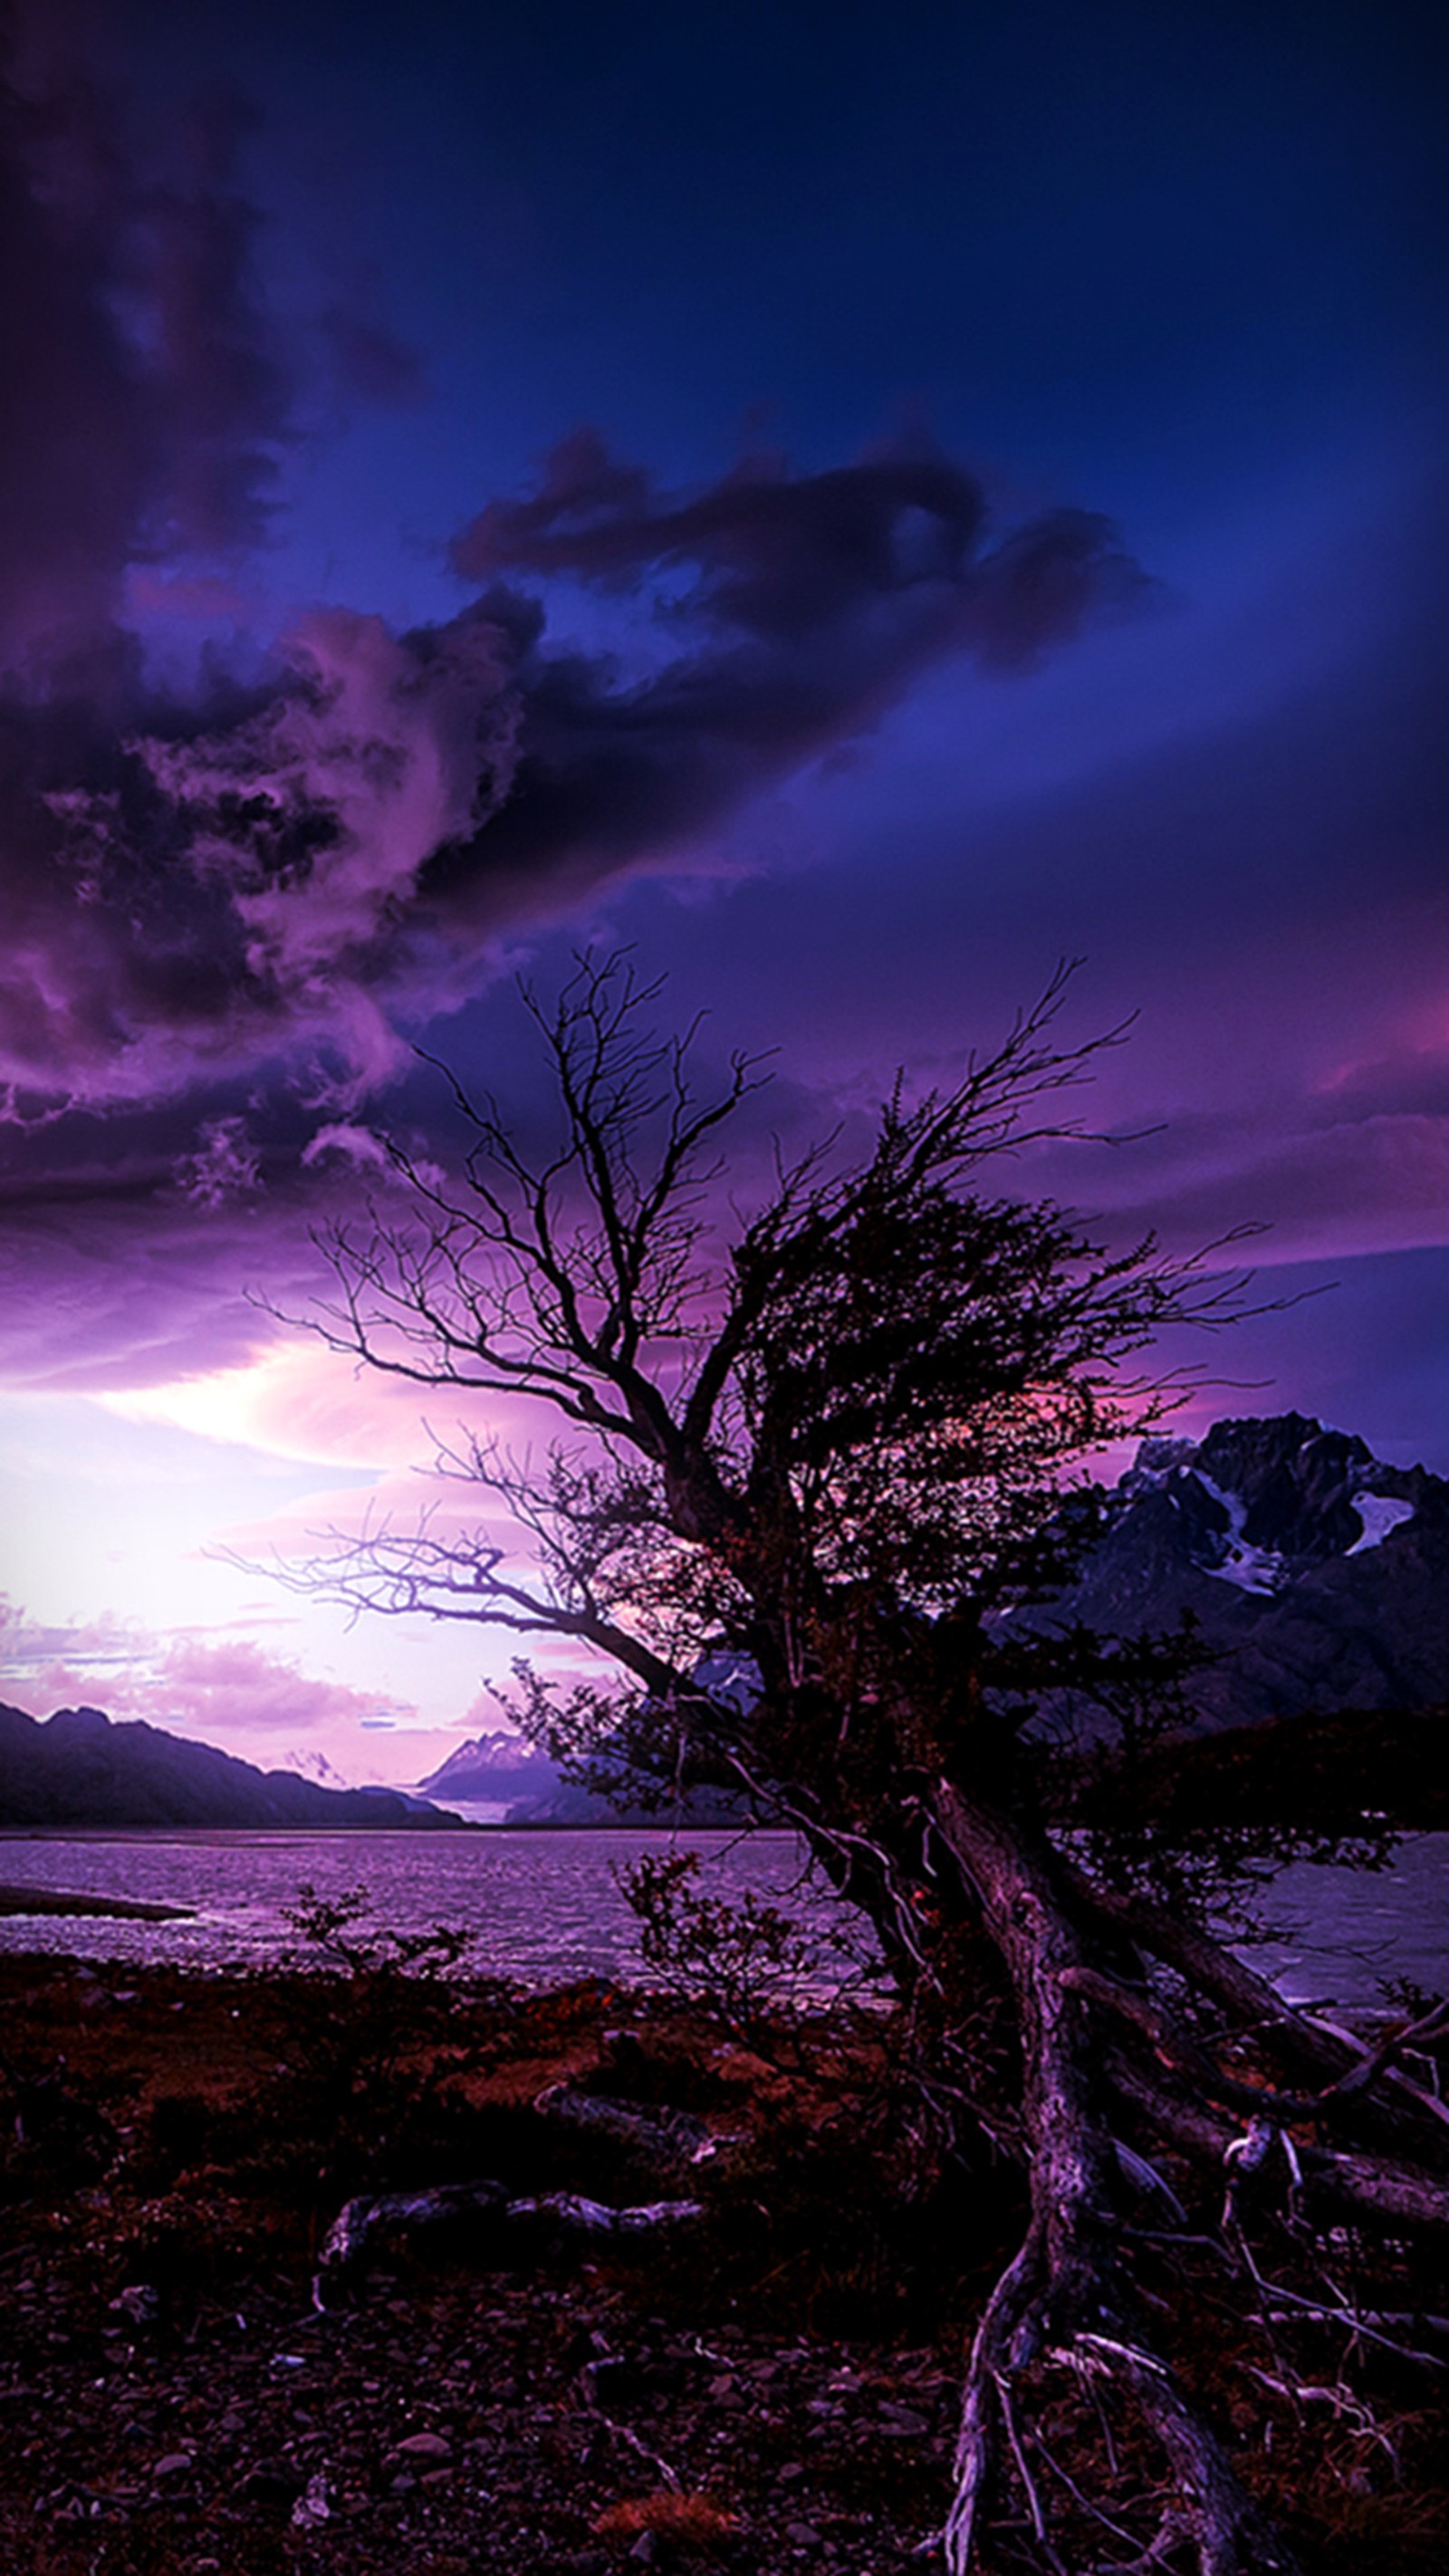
(504, 1772)
(498, 1770)
(1317, 1575)
(79, 1769)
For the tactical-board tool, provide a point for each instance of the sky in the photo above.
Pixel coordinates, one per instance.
(858, 503)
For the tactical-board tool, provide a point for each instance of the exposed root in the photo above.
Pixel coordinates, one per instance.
(1100, 2053)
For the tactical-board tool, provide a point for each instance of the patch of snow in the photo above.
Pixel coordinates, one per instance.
(315, 1766)
(734, 1679)
(1156, 1460)
(1379, 1514)
(1252, 1569)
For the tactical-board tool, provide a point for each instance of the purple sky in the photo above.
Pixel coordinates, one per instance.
(858, 503)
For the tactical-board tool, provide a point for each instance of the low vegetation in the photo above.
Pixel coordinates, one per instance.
(772, 2385)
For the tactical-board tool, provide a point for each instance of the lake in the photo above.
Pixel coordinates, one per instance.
(542, 1906)
(545, 1907)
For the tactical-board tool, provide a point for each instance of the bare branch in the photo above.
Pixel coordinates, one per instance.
(819, 1461)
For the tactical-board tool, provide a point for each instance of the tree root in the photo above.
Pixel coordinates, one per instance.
(1099, 2054)
(1212, 2512)
(492, 2221)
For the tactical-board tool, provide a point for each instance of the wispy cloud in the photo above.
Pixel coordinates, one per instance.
(219, 1687)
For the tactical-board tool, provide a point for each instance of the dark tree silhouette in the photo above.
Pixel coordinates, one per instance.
(804, 1472)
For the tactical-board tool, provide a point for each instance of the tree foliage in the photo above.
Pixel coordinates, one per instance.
(811, 1470)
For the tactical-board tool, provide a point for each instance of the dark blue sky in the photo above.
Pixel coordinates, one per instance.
(995, 510)
(1147, 256)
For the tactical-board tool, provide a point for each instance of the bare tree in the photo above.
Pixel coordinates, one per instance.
(827, 1455)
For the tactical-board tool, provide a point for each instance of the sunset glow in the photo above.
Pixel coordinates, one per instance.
(967, 497)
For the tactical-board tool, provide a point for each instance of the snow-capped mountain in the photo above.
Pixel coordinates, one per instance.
(1317, 1572)
(491, 1770)
(502, 1771)
(1318, 1577)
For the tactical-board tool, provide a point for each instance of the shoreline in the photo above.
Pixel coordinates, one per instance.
(766, 2383)
(20, 1901)
(180, 1832)
(538, 2404)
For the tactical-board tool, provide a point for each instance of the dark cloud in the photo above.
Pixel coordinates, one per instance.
(369, 359)
(145, 399)
(224, 911)
(104, 1286)
(222, 396)
(76, 455)
(809, 604)
(292, 873)
(783, 560)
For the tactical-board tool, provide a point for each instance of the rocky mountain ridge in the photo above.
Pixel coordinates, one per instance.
(1316, 1574)
(81, 1769)
(505, 1772)
(495, 1769)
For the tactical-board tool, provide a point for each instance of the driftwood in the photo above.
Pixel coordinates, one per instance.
(485, 2216)
(663, 2136)
(61, 1900)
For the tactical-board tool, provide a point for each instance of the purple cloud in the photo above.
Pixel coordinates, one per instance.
(191, 1683)
(369, 359)
(146, 398)
(294, 871)
(893, 552)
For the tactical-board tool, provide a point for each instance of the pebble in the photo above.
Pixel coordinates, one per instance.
(313, 2507)
(272, 2482)
(425, 2446)
(140, 2302)
(903, 2423)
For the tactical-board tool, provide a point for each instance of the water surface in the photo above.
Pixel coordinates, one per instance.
(541, 1906)
(545, 1906)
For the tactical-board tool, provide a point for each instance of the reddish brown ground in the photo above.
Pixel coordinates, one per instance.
(770, 2389)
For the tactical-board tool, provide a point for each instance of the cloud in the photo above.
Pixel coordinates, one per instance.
(117, 1279)
(98, 1645)
(226, 1164)
(293, 872)
(370, 359)
(233, 1687)
(900, 542)
(147, 399)
(1321, 1192)
(219, 1687)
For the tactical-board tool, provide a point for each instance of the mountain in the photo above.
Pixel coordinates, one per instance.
(79, 1769)
(502, 1770)
(1317, 1575)
(492, 1770)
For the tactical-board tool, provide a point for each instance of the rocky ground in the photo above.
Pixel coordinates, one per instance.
(768, 2385)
